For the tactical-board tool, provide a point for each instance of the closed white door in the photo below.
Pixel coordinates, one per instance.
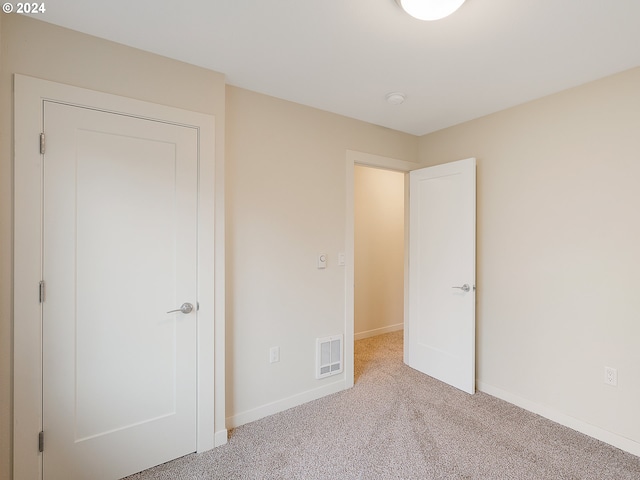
(440, 333)
(120, 227)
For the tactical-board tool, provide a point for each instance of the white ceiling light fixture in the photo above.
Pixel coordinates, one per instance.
(430, 9)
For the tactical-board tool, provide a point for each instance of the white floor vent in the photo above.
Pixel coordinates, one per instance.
(328, 356)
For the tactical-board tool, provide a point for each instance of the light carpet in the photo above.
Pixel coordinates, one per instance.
(396, 423)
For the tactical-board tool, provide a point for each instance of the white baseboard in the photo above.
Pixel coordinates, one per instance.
(378, 331)
(611, 438)
(284, 404)
(220, 438)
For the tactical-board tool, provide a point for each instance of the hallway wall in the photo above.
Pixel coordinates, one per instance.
(379, 251)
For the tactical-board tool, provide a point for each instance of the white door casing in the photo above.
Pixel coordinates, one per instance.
(30, 95)
(442, 229)
(120, 228)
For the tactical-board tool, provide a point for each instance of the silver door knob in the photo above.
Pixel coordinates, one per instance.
(464, 288)
(184, 308)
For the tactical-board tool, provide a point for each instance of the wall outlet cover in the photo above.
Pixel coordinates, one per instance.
(611, 376)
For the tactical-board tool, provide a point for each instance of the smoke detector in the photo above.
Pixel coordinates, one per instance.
(395, 98)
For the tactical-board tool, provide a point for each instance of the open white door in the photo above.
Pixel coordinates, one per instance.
(440, 331)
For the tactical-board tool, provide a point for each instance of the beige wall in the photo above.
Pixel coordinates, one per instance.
(41, 50)
(285, 204)
(379, 251)
(558, 249)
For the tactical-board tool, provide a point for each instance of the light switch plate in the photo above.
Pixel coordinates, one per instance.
(322, 260)
(274, 354)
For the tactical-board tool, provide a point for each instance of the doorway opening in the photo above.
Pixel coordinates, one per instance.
(439, 301)
(378, 251)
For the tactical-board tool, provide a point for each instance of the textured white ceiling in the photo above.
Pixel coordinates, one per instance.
(344, 56)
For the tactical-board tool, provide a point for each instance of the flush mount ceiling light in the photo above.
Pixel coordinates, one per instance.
(430, 9)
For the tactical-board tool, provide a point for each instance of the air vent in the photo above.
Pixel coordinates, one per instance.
(328, 356)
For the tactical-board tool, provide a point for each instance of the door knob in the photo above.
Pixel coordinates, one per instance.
(464, 288)
(184, 308)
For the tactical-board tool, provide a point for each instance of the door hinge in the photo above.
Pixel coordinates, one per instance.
(41, 442)
(41, 291)
(42, 143)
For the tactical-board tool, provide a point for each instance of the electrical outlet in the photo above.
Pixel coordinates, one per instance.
(611, 376)
(274, 354)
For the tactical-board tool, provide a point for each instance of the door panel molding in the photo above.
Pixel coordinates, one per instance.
(29, 95)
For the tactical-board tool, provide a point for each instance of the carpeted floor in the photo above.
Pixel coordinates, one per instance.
(396, 423)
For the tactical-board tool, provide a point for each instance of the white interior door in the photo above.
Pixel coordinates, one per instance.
(440, 331)
(120, 250)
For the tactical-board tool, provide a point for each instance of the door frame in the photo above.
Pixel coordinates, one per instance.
(354, 158)
(29, 95)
